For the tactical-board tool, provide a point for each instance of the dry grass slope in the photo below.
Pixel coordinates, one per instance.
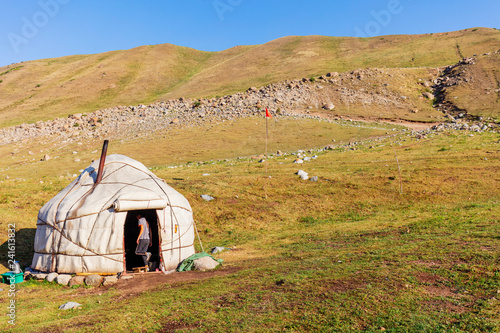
(480, 93)
(48, 88)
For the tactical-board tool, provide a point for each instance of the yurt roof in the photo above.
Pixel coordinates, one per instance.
(126, 185)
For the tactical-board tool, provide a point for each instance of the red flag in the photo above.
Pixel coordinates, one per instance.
(268, 114)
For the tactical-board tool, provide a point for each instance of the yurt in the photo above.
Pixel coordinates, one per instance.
(91, 225)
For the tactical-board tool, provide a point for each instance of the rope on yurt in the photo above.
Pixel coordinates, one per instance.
(197, 234)
(172, 213)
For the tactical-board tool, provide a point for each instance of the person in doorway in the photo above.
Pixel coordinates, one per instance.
(144, 240)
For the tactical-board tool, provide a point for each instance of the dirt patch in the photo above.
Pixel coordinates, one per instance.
(428, 278)
(413, 125)
(430, 264)
(148, 281)
(444, 306)
(434, 285)
(345, 286)
(172, 326)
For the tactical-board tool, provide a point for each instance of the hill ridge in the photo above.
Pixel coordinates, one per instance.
(48, 88)
(367, 94)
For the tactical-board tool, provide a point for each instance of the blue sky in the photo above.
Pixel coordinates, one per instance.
(36, 29)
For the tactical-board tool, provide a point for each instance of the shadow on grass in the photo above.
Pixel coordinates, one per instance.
(23, 248)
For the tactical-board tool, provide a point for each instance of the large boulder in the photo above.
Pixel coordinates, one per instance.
(51, 276)
(109, 281)
(205, 263)
(329, 106)
(94, 280)
(76, 280)
(63, 279)
(303, 175)
(428, 95)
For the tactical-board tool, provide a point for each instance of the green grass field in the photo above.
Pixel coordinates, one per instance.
(369, 247)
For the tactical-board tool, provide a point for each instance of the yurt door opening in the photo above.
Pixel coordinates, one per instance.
(131, 232)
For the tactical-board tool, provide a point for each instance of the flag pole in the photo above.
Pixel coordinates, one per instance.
(268, 115)
(267, 134)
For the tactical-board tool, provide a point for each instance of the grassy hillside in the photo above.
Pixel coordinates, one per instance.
(48, 88)
(400, 233)
(356, 251)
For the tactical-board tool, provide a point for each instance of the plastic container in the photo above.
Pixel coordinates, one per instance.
(9, 276)
(17, 268)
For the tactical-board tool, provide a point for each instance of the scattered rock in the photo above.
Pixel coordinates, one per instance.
(69, 305)
(207, 197)
(329, 106)
(303, 175)
(217, 249)
(129, 121)
(428, 95)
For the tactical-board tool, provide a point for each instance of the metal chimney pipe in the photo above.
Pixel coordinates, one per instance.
(101, 162)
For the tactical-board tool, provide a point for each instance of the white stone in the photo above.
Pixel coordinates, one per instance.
(63, 279)
(51, 276)
(205, 263)
(303, 175)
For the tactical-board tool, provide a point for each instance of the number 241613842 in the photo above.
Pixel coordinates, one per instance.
(11, 244)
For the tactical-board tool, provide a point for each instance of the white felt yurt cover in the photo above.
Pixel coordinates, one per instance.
(81, 229)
